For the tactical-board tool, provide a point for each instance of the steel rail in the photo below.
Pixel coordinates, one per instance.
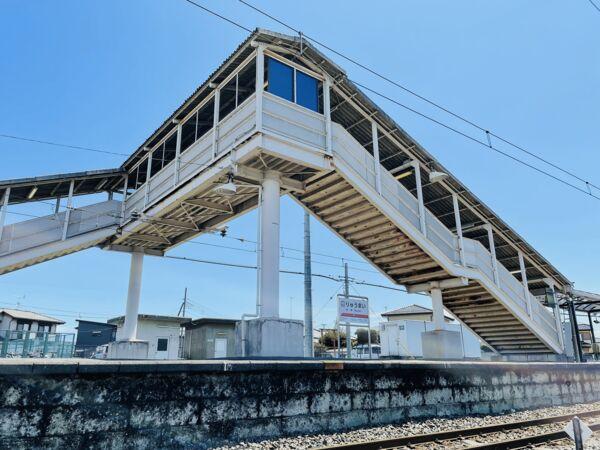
(528, 441)
(475, 431)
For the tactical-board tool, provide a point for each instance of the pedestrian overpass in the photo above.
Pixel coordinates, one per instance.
(278, 117)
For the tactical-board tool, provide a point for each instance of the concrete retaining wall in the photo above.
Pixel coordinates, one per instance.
(198, 404)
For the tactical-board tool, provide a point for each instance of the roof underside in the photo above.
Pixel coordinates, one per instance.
(49, 187)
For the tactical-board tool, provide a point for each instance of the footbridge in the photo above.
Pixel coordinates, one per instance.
(279, 118)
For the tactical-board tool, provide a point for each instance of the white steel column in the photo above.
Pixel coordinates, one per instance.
(461, 246)
(4, 209)
(148, 174)
(438, 309)
(559, 329)
(490, 233)
(327, 114)
(417, 168)
(269, 242)
(177, 156)
(124, 199)
(68, 211)
(525, 285)
(376, 156)
(260, 84)
(133, 297)
(215, 138)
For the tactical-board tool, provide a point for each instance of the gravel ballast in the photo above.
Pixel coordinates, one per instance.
(418, 427)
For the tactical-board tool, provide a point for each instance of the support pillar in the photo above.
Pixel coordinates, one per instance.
(421, 203)
(577, 352)
(269, 335)
(260, 85)
(128, 346)
(440, 343)
(215, 137)
(556, 310)
(593, 334)
(526, 292)
(327, 114)
(133, 297)
(4, 209)
(492, 245)
(459, 233)
(177, 156)
(68, 211)
(376, 156)
(438, 309)
(269, 251)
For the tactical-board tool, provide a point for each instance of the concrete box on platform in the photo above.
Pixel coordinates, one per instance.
(270, 337)
(128, 350)
(442, 344)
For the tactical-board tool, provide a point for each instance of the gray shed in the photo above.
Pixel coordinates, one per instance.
(208, 338)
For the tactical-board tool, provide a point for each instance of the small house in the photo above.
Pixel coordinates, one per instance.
(163, 334)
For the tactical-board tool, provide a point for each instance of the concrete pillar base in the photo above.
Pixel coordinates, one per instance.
(442, 344)
(270, 337)
(128, 350)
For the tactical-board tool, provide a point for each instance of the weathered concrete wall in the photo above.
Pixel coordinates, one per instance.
(198, 404)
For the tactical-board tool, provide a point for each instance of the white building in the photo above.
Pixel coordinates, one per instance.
(162, 333)
(18, 320)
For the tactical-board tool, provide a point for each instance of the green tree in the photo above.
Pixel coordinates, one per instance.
(329, 339)
(362, 336)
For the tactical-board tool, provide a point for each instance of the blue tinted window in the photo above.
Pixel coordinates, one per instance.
(281, 79)
(307, 91)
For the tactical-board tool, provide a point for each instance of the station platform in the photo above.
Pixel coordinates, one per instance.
(206, 403)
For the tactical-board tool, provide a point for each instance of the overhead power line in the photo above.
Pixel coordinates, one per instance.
(427, 100)
(594, 5)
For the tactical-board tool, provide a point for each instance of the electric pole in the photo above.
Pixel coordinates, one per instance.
(308, 313)
(183, 304)
(347, 293)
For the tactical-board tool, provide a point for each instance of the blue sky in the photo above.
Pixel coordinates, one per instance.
(105, 74)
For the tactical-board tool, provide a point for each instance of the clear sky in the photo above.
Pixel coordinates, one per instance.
(105, 74)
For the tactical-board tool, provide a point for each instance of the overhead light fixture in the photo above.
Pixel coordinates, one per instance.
(435, 176)
(403, 175)
(32, 192)
(229, 188)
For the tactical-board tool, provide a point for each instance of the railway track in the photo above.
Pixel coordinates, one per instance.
(495, 436)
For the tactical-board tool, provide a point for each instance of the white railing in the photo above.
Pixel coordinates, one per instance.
(477, 256)
(293, 121)
(237, 125)
(43, 230)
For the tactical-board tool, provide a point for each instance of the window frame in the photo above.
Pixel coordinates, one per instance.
(296, 68)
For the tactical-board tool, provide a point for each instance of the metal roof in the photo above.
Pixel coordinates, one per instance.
(583, 301)
(119, 320)
(396, 148)
(35, 189)
(209, 321)
(29, 315)
(407, 310)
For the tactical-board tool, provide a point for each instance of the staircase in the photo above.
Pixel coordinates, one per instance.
(37, 240)
(383, 223)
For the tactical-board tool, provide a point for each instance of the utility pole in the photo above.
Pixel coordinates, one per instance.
(308, 313)
(347, 293)
(183, 304)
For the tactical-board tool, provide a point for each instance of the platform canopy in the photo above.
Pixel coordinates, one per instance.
(48, 187)
(585, 302)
